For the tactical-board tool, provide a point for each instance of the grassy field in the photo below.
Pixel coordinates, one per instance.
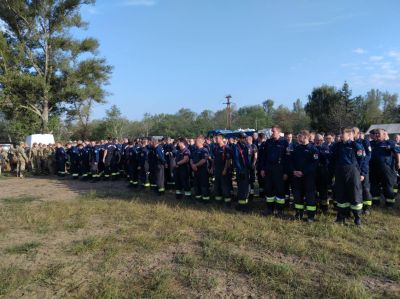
(122, 244)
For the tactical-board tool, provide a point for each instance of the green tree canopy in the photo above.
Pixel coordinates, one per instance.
(43, 70)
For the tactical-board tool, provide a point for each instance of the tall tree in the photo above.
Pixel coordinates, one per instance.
(43, 74)
(369, 109)
(390, 109)
(300, 119)
(252, 117)
(115, 123)
(320, 103)
(331, 109)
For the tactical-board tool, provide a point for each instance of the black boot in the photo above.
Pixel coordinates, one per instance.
(324, 209)
(279, 212)
(357, 217)
(299, 215)
(340, 218)
(310, 216)
(269, 211)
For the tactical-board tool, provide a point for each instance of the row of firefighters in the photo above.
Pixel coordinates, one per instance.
(359, 170)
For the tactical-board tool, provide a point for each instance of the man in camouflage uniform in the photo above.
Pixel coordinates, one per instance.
(12, 158)
(45, 158)
(22, 159)
(51, 154)
(3, 157)
(34, 157)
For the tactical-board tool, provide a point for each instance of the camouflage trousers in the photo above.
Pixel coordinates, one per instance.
(20, 168)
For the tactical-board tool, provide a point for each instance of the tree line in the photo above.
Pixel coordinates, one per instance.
(327, 110)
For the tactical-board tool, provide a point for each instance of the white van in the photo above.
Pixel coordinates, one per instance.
(39, 138)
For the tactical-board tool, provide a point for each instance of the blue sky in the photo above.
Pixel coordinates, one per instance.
(169, 54)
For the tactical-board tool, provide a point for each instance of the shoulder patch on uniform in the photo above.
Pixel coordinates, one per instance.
(360, 153)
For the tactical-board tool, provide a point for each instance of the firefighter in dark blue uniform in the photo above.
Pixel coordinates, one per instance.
(241, 159)
(199, 163)
(259, 142)
(123, 164)
(152, 159)
(61, 159)
(288, 183)
(111, 160)
(192, 149)
(329, 142)
(322, 177)
(182, 170)
(157, 165)
(253, 152)
(81, 154)
(116, 167)
(101, 166)
(132, 160)
(348, 160)
(385, 159)
(144, 172)
(222, 170)
(302, 164)
(397, 187)
(367, 196)
(170, 152)
(273, 169)
(74, 155)
(94, 158)
(86, 161)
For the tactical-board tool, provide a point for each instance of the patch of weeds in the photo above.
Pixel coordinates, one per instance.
(89, 244)
(75, 223)
(197, 281)
(49, 274)
(19, 200)
(12, 278)
(24, 248)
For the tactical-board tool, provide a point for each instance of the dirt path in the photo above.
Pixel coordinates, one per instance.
(54, 188)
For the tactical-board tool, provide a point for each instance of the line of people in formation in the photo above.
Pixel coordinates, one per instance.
(360, 169)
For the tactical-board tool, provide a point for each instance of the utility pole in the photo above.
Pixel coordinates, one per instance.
(228, 111)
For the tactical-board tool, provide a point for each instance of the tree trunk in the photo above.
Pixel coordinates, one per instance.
(45, 117)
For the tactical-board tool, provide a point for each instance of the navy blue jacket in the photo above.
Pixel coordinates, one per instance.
(349, 153)
(241, 157)
(274, 152)
(60, 155)
(383, 152)
(324, 154)
(303, 158)
(199, 154)
(220, 155)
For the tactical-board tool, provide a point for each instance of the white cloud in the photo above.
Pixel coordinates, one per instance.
(348, 64)
(93, 10)
(139, 2)
(376, 58)
(359, 51)
(319, 23)
(394, 54)
(386, 65)
(378, 71)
